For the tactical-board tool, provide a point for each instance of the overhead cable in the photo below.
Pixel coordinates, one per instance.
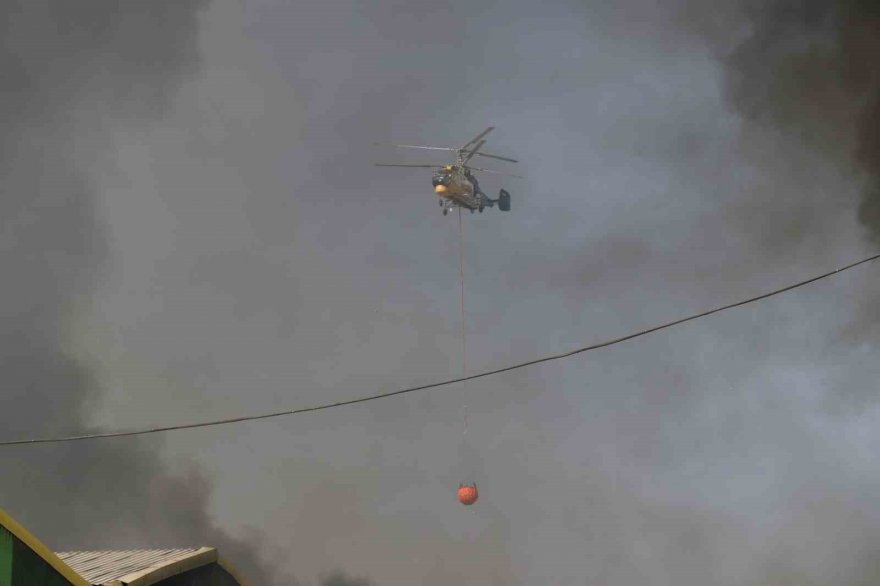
(464, 378)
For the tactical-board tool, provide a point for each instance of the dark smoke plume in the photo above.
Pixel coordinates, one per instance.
(70, 71)
(341, 579)
(805, 70)
(809, 68)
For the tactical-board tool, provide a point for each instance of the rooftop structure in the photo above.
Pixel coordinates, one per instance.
(26, 561)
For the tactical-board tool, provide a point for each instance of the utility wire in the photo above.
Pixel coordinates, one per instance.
(441, 383)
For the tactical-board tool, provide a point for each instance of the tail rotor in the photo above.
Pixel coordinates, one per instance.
(503, 201)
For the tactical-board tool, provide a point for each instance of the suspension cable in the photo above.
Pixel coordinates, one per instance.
(486, 373)
(463, 323)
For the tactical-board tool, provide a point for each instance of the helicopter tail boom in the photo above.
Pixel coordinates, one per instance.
(503, 201)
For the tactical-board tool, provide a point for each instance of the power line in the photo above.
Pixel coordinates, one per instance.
(441, 383)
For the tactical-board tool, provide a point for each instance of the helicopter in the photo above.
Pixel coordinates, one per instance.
(455, 184)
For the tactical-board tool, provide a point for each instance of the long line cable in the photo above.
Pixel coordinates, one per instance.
(463, 323)
(445, 382)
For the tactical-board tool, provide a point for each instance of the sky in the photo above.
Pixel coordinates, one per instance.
(196, 230)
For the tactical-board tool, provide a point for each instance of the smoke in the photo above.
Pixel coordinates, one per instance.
(72, 73)
(341, 579)
(807, 68)
(802, 74)
(357, 299)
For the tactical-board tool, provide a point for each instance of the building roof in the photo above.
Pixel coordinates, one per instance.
(136, 567)
(140, 567)
(41, 550)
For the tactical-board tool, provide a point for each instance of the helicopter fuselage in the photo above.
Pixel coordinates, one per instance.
(455, 186)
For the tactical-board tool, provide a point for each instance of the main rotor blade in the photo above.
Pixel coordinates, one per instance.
(408, 165)
(476, 138)
(474, 151)
(497, 157)
(414, 146)
(494, 172)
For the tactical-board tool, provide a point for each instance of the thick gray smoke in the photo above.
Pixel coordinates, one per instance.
(341, 579)
(70, 73)
(286, 273)
(808, 67)
(807, 70)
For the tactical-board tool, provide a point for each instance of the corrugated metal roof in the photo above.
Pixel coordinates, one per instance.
(100, 567)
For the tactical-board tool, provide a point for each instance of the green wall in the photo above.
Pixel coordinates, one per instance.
(20, 566)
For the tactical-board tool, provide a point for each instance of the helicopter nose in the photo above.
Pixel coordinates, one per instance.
(439, 189)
